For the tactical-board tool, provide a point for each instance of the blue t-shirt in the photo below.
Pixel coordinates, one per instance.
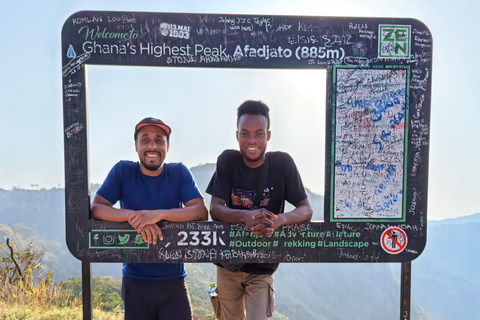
(136, 191)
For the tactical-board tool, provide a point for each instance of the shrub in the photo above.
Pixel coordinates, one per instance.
(23, 281)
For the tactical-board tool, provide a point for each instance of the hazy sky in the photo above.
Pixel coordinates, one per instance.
(199, 104)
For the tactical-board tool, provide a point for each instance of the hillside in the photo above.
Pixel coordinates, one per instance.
(303, 291)
(445, 278)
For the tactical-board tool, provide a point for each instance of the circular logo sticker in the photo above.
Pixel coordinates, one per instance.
(393, 240)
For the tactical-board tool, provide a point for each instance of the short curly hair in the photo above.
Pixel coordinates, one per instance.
(254, 107)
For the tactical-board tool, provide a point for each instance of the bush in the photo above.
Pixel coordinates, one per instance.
(28, 292)
(23, 281)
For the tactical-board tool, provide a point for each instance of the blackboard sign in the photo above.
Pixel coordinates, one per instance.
(370, 153)
(377, 143)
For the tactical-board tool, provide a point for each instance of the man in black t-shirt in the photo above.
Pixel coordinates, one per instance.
(250, 186)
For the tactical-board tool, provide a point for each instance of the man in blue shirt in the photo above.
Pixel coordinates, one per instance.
(150, 191)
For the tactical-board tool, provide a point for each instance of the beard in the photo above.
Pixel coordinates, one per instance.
(252, 159)
(150, 167)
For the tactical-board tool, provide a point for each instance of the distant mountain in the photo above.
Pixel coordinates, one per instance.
(303, 291)
(459, 220)
(446, 276)
(42, 210)
(339, 291)
(445, 280)
(203, 174)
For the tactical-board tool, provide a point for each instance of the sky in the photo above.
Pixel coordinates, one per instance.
(200, 104)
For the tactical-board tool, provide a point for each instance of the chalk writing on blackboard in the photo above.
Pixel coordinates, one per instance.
(379, 75)
(73, 129)
(369, 142)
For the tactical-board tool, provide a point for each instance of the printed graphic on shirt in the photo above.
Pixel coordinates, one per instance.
(267, 195)
(242, 198)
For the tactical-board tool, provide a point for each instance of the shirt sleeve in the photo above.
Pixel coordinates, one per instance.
(112, 187)
(220, 184)
(294, 189)
(188, 186)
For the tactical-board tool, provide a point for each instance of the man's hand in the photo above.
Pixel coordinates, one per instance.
(140, 219)
(267, 223)
(151, 233)
(262, 222)
(251, 217)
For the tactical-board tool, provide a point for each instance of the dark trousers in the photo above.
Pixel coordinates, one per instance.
(156, 299)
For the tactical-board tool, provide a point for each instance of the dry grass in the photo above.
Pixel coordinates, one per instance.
(38, 292)
(26, 293)
(44, 300)
(30, 312)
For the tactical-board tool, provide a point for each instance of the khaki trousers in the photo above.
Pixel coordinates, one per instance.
(243, 296)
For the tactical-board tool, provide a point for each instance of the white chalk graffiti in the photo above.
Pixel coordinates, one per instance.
(369, 143)
(75, 64)
(73, 129)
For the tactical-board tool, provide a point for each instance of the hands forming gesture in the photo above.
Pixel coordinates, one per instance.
(145, 222)
(263, 222)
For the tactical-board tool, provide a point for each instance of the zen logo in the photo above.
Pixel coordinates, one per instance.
(394, 41)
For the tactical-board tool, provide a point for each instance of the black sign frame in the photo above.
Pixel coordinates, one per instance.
(373, 50)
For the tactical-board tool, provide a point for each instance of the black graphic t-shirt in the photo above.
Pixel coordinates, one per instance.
(267, 186)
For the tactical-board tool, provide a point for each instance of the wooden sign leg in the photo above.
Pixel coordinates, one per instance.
(87, 290)
(406, 280)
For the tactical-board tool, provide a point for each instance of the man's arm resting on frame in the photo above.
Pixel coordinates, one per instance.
(102, 209)
(194, 210)
(220, 212)
(302, 212)
(260, 221)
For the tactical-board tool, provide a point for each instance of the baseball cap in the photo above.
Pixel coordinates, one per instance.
(152, 122)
